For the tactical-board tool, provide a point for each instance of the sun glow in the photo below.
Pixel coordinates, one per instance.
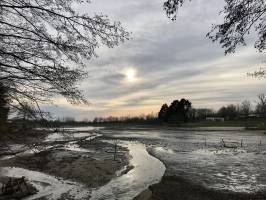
(130, 75)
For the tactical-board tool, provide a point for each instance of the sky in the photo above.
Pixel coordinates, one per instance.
(164, 60)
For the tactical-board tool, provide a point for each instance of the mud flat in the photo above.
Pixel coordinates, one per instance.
(179, 188)
(198, 167)
(69, 168)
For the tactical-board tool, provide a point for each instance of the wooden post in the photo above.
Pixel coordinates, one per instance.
(115, 151)
(223, 143)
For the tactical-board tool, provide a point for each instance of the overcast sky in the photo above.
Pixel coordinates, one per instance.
(163, 61)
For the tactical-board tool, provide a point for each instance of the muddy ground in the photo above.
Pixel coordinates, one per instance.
(76, 166)
(93, 166)
(178, 188)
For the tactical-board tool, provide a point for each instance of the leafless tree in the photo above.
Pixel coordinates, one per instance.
(261, 106)
(44, 45)
(240, 17)
(246, 108)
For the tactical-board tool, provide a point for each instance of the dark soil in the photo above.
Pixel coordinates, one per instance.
(178, 188)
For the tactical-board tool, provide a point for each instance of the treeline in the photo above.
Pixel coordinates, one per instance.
(177, 112)
(182, 111)
(238, 111)
(141, 119)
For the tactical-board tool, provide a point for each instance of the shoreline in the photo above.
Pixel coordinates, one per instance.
(172, 187)
(93, 166)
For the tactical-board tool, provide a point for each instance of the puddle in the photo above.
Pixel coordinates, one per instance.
(28, 151)
(165, 150)
(62, 137)
(72, 146)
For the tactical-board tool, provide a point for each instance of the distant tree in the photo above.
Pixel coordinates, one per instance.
(26, 112)
(69, 119)
(95, 120)
(261, 106)
(240, 17)
(246, 108)
(228, 112)
(178, 111)
(185, 108)
(202, 113)
(162, 116)
(222, 112)
(174, 113)
(44, 47)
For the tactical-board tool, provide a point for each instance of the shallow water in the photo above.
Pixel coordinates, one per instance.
(71, 136)
(194, 154)
(48, 186)
(199, 156)
(147, 171)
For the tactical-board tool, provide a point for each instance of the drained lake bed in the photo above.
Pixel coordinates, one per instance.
(82, 160)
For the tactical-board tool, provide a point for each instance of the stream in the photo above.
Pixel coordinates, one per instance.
(147, 170)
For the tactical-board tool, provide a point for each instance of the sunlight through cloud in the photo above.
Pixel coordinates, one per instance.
(131, 74)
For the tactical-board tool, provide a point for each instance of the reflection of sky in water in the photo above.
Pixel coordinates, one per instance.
(70, 136)
(84, 128)
(147, 170)
(185, 153)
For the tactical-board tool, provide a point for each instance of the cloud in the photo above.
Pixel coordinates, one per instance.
(113, 78)
(172, 60)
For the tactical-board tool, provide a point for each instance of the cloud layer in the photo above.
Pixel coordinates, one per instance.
(172, 60)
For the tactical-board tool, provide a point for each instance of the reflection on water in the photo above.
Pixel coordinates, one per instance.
(147, 170)
(68, 136)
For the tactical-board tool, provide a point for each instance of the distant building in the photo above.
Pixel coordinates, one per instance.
(255, 115)
(215, 119)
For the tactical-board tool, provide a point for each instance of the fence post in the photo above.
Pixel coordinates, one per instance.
(115, 151)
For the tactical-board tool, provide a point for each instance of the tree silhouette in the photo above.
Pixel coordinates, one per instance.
(185, 107)
(245, 108)
(261, 106)
(178, 111)
(44, 46)
(228, 112)
(162, 116)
